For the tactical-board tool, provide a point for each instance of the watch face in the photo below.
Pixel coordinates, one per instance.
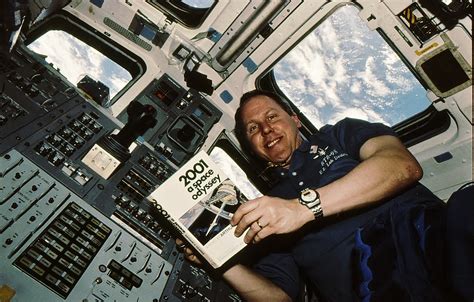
(308, 195)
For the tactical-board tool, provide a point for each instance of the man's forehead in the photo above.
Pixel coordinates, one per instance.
(256, 107)
(263, 102)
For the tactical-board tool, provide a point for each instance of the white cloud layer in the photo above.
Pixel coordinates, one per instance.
(343, 69)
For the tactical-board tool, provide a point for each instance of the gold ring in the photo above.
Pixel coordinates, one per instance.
(258, 223)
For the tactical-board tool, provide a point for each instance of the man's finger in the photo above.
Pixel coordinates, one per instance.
(258, 235)
(188, 251)
(256, 238)
(253, 230)
(180, 245)
(243, 210)
(246, 221)
(262, 234)
(194, 259)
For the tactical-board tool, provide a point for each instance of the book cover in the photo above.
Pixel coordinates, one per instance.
(199, 200)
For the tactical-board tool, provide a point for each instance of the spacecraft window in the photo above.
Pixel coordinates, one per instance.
(342, 69)
(190, 13)
(199, 3)
(75, 59)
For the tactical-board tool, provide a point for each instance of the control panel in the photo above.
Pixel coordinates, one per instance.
(184, 118)
(54, 238)
(75, 224)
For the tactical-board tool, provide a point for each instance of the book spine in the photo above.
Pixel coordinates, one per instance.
(176, 225)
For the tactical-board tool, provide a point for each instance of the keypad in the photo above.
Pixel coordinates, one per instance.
(123, 276)
(63, 251)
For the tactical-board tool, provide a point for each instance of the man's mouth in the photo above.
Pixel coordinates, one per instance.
(273, 142)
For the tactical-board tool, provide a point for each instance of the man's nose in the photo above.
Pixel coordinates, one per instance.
(267, 127)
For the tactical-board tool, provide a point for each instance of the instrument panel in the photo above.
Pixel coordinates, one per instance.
(68, 230)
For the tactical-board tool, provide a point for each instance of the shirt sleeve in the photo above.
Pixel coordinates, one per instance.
(352, 133)
(281, 269)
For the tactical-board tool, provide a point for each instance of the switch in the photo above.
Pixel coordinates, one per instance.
(3, 120)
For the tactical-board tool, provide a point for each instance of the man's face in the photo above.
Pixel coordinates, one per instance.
(273, 134)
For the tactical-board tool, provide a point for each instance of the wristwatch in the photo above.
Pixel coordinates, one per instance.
(310, 199)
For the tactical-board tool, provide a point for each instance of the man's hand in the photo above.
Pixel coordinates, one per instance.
(188, 252)
(266, 215)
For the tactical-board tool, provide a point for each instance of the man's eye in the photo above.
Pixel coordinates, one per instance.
(271, 117)
(252, 128)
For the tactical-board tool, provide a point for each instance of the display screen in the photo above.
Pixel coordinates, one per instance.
(166, 94)
(445, 71)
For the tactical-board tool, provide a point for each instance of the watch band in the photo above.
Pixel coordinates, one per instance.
(314, 204)
(317, 211)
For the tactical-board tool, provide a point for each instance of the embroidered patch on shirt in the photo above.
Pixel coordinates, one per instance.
(315, 149)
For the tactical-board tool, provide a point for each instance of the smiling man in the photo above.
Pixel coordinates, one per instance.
(332, 187)
(272, 134)
(347, 213)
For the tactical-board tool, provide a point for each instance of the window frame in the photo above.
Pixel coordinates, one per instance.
(184, 14)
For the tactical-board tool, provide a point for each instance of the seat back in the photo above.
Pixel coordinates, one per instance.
(460, 242)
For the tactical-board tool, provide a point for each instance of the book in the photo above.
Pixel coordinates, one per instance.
(199, 200)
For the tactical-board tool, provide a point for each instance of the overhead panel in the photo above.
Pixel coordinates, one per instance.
(418, 22)
(255, 23)
(445, 70)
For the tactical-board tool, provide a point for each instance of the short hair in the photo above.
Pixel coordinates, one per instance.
(240, 129)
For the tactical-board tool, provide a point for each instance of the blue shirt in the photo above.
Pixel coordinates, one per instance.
(323, 253)
(326, 156)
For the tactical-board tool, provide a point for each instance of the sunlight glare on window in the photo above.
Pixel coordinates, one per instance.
(234, 172)
(75, 59)
(343, 69)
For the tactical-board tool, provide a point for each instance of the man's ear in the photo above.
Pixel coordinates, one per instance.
(297, 120)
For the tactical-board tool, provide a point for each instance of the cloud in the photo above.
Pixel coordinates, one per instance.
(117, 83)
(344, 69)
(356, 87)
(359, 113)
(375, 85)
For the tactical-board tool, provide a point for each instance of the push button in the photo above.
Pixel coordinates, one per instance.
(61, 254)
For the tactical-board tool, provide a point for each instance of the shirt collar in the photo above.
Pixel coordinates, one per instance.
(296, 161)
